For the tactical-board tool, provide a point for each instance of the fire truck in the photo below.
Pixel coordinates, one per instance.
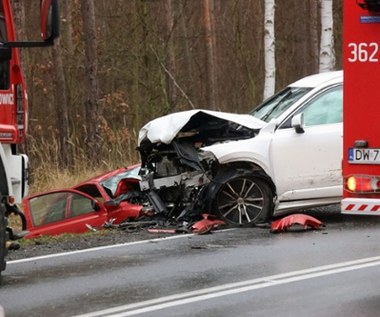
(14, 114)
(361, 136)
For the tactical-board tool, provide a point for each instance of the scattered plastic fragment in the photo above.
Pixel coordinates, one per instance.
(306, 221)
(207, 224)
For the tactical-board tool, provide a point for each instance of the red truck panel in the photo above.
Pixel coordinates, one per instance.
(361, 114)
(13, 99)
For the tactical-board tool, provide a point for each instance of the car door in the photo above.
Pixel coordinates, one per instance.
(307, 165)
(63, 211)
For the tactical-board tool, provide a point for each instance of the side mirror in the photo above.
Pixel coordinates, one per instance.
(49, 20)
(297, 123)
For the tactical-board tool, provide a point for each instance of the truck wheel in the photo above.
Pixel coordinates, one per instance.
(242, 198)
(3, 226)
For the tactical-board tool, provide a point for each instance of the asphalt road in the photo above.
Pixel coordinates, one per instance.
(238, 272)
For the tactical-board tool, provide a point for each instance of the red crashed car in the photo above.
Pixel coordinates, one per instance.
(112, 197)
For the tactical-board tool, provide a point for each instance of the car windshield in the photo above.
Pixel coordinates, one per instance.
(112, 182)
(280, 102)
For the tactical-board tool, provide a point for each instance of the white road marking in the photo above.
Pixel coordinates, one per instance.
(233, 288)
(56, 255)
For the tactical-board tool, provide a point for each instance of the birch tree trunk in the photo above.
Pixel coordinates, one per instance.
(269, 49)
(91, 83)
(327, 52)
(208, 23)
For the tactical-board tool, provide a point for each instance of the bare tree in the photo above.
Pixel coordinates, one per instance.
(313, 9)
(92, 111)
(208, 23)
(61, 106)
(269, 49)
(327, 53)
(19, 14)
(67, 22)
(187, 52)
(170, 60)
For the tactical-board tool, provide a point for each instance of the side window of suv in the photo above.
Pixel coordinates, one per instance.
(326, 108)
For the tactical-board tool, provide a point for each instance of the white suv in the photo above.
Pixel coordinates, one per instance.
(245, 168)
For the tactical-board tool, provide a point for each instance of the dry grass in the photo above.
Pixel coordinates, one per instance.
(49, 178)
(116, 149)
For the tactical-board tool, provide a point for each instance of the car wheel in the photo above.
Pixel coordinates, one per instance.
(242, 198)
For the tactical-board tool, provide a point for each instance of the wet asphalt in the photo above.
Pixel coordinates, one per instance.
(238, 272)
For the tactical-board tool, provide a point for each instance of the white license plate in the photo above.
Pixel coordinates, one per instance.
(363, 156)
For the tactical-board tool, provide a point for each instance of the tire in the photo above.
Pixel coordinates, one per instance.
(3, 226)
(241, 198)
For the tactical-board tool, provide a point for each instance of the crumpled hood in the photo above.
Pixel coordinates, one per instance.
(164, 129)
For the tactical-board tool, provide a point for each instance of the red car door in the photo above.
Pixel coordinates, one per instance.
(62, 211)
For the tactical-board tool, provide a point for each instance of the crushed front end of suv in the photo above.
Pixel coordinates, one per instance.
(246, 168)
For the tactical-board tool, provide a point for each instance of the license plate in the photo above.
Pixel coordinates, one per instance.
(364, 156)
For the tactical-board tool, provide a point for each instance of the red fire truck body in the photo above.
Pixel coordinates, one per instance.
(361, 136)
(14, 114)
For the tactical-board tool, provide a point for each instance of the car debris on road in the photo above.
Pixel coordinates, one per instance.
(198, 225)
(295, 222)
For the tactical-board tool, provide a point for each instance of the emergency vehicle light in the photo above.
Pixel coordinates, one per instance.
(362, 184)
(370, 5)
